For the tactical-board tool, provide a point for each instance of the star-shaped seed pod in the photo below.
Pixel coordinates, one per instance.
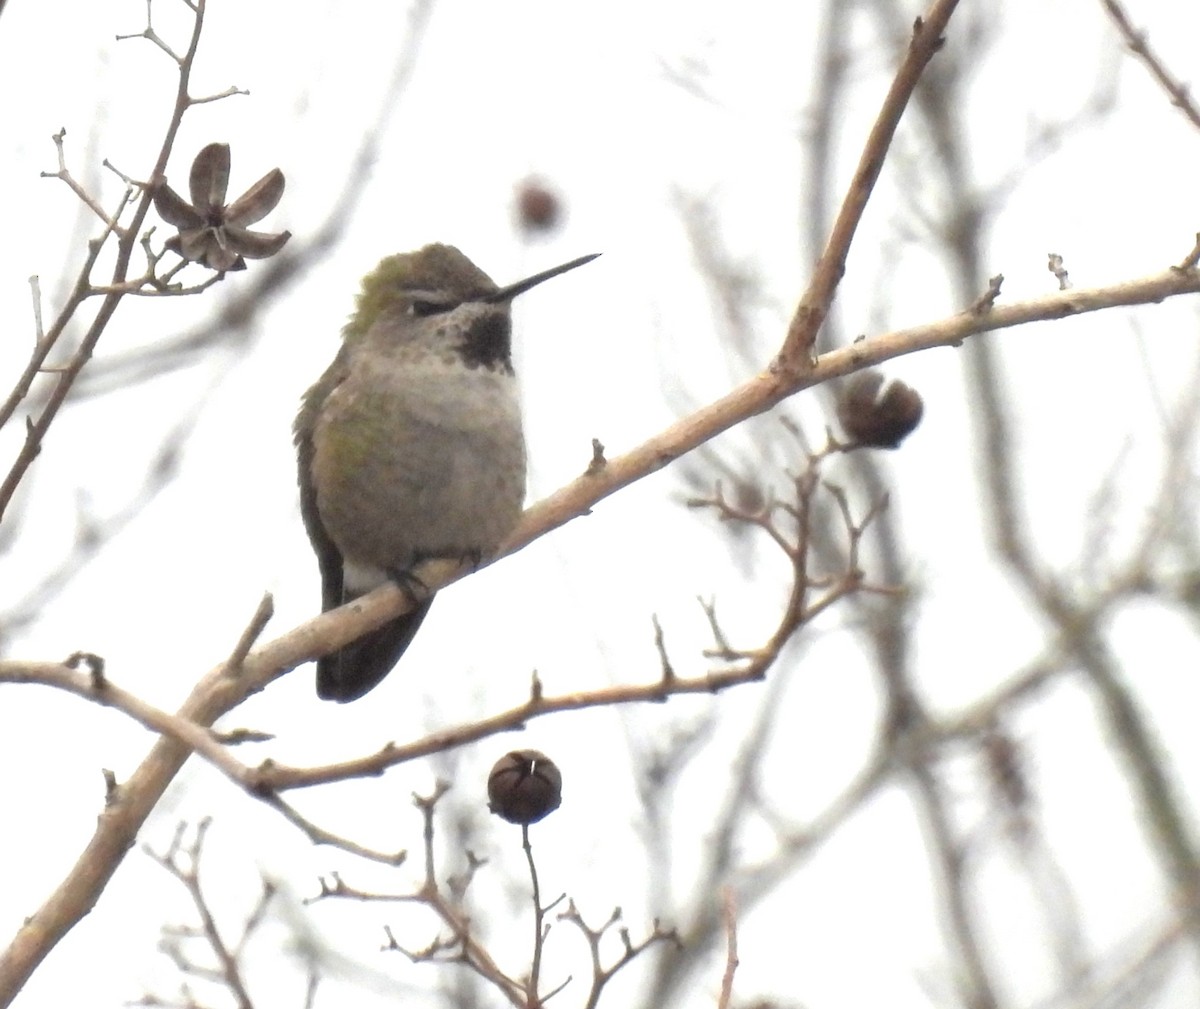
(211, 232)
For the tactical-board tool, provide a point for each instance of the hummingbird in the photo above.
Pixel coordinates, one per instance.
(410, 445)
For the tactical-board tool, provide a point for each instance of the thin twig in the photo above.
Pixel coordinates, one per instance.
(36, 429)
(1176, 90)
(252, 632)
(183, 862)
(630, 950)
(795, 357)
(729, 915)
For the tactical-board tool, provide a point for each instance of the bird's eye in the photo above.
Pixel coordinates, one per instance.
(422, 307)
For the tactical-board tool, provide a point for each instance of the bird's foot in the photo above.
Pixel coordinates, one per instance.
(416, 587)
(410, 582)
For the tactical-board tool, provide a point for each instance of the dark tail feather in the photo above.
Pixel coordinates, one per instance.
(348, 673)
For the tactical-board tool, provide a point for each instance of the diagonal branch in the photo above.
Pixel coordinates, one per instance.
(814, 305)
(1136, 40)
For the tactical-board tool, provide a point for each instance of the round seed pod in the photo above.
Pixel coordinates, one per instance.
(524, 786)
(539, 208)
(877, 417)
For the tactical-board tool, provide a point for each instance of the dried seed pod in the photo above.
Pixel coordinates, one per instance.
(211, 232)
(879, 421)
(539, 208)
(524, 786)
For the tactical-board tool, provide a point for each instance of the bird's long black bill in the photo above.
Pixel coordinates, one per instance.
(521, 286)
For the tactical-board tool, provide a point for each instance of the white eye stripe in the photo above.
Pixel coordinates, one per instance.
(422, 305)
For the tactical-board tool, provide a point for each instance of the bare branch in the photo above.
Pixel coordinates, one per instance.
(630, 950)
(795, 356)
(1176, 90)
(729, 913)
(183, 862)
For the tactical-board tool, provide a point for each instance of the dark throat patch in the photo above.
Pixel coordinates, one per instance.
(487, 342)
